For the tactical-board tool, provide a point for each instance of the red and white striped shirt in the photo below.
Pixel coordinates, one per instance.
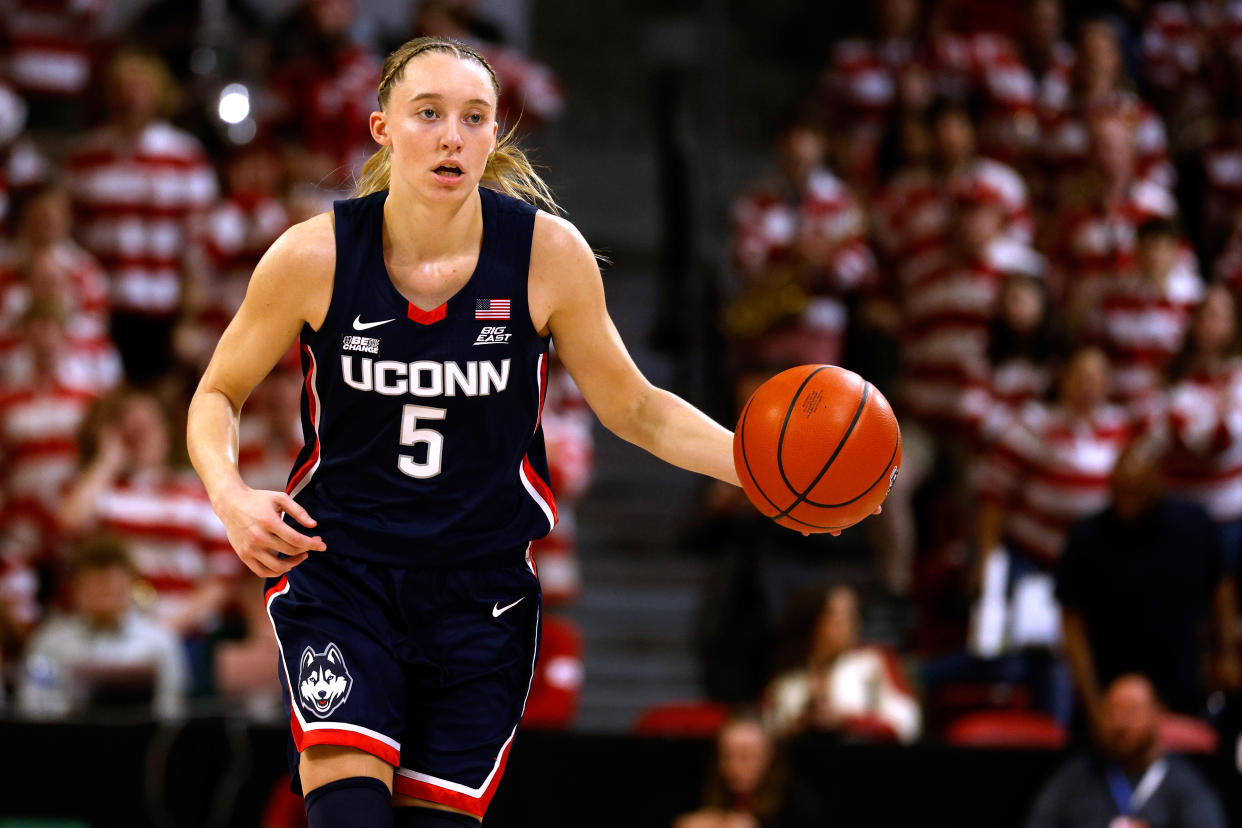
(38, 441)
(770, 224)
(234, 235)
(1095, 242)
(913, 212)
(68, 272)
(986, 66)
(174, 538)
(1204, 421)
(134, 199)
(49, 44)
(1141, 325)
(1050, 469)
(1008, 387)
(1065, 141)
(947, 308)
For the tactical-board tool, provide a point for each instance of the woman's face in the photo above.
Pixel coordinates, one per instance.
(1022, 306)
(47, 219)
(744, 756)
(145, 433)
(1217, 323)
(1084, 385)
(836, 629)
(442, 114)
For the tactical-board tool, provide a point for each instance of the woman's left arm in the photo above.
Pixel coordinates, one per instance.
(567, 299)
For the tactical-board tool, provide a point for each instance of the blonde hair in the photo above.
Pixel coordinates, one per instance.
(508, 168)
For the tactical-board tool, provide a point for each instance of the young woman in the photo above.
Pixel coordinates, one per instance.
(408, 620)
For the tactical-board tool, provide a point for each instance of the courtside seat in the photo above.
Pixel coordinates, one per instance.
(1007, 729)
(1185, 734)
(688, 719)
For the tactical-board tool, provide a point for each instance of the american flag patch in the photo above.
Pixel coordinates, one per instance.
(491, 308)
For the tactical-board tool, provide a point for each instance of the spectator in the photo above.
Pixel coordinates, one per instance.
(39, 418)
(136, 182)
(1143, 544)
(1025, 346)
(128, 486)
(915, 209)
(1097, 85)
(1046, 470)
(1128, 781)
(949, 291)
(799, 251)
(857, 692)
(44, 262)
(325, 84)
(748, 785)
(860, 83)
(42, 349)
(1098, 220)
(1204, 463)
(1141, 322)
(50, 56)
(104, 649)
(235, 233)
(1043, 49)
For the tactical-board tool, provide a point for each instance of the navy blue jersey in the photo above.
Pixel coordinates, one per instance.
(423, 444)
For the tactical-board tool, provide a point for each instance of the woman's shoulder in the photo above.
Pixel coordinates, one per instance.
(307, 248)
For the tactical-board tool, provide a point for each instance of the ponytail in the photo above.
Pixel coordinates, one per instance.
(508, 168)
(376, 173)
(512, 173)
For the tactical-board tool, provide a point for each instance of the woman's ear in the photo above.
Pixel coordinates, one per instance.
(379, 129)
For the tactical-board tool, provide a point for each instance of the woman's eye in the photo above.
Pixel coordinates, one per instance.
(475, 118)
(427, 114)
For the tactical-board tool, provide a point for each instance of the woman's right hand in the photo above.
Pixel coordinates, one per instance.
(252, 519)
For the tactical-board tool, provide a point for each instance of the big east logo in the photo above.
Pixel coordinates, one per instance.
(323, 680)
(492, 335)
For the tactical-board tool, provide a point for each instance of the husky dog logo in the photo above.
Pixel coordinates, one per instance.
(324, 680)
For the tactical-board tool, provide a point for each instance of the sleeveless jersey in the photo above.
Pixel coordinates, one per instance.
(423, 442)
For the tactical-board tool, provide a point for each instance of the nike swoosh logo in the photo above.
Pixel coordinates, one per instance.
(359, 325)
(498, 610)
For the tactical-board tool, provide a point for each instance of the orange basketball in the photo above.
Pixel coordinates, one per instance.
(817, 448)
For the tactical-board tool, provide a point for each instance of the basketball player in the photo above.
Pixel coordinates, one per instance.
(400, 585)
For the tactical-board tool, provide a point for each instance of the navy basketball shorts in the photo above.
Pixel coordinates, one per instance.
(428, 669)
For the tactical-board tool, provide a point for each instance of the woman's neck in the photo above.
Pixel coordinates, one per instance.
(423, 231)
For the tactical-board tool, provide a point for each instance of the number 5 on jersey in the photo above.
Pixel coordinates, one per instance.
(412, 435)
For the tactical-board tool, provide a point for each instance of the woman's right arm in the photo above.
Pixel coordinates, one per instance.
(291, 286)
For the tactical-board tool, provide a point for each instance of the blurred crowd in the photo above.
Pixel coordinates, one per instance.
(1024, 223)
(145, 166)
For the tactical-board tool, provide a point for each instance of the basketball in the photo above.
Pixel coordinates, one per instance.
(817, 448)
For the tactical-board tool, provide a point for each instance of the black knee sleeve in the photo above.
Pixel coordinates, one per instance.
(356, 802)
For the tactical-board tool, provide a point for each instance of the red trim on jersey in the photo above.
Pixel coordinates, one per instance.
(545, 491)
(341, 738)
(310, 403)
(424, 317)
(276, 587)
(475, 806)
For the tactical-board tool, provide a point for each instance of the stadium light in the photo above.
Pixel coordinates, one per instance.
(234, 103)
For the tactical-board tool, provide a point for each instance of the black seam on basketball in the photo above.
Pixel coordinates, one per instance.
(887, 469)
(780, 443)
(759, 489)
(746, 460)
(801, 498)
